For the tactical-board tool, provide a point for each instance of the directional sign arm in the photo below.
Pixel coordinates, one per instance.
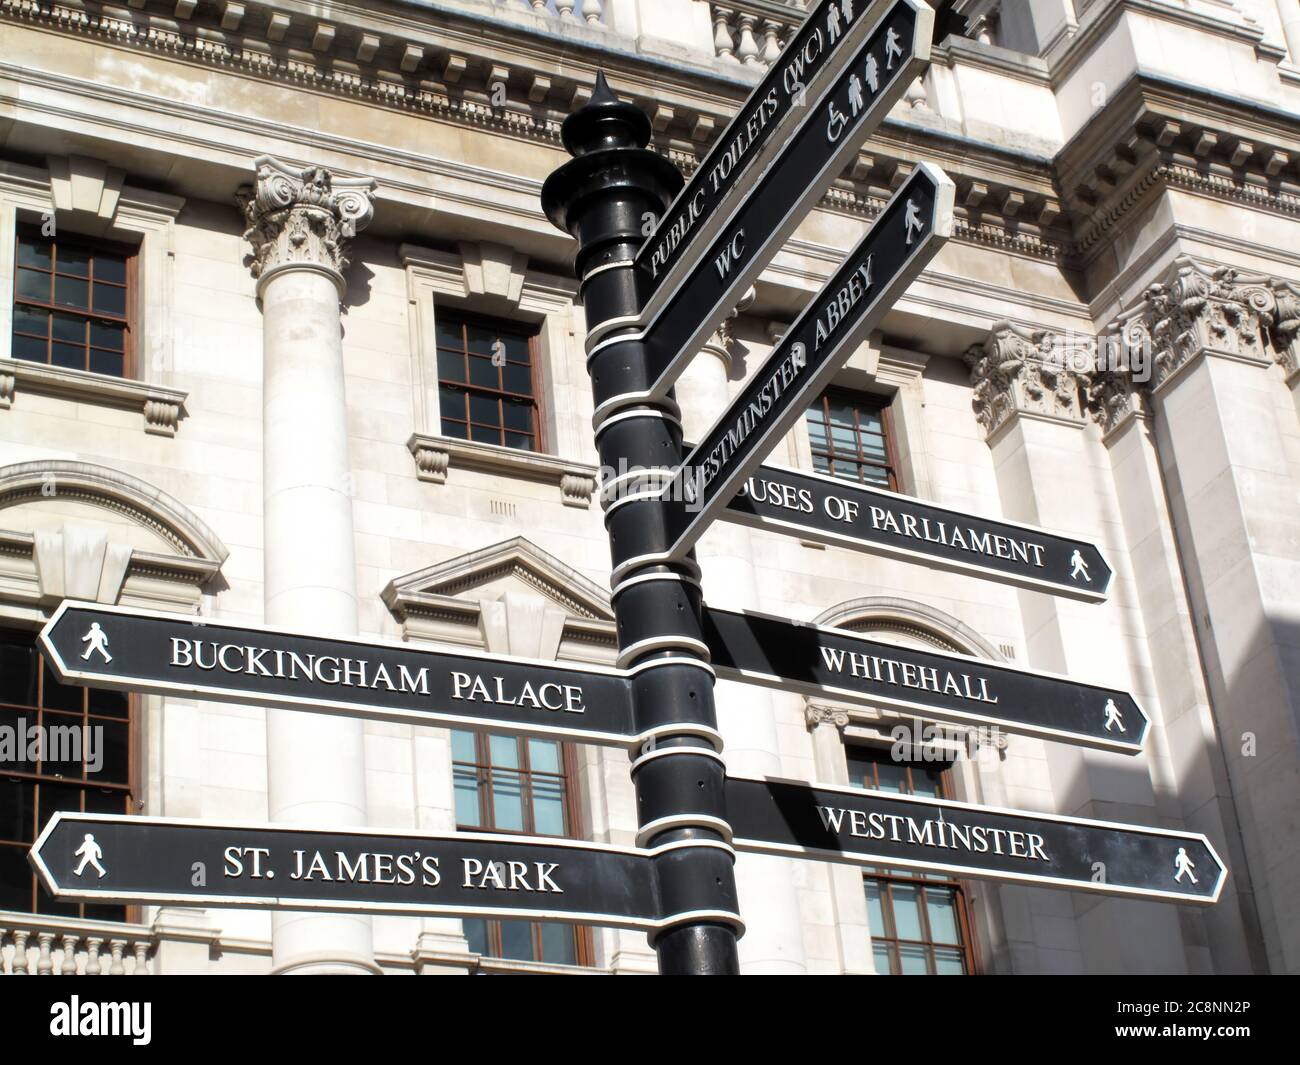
(834, 511)
(138, 650)
(847, 667)
(869, 828)
(910, 230)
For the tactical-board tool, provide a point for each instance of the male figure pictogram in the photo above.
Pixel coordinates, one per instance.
(1113, 716)
(90, 852)
(912, 220)
(892, 49)
(1183, 864)
(98, 640)
(855, 94)
(1078, 568)
(872, 73)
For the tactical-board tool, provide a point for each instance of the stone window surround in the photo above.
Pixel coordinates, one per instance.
(64, 189)
(878, 616)
(492, 279)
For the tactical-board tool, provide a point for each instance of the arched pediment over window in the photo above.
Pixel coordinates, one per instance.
(75, 530)
(908, 622)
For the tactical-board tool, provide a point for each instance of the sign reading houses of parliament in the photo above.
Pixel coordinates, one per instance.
(134, 650)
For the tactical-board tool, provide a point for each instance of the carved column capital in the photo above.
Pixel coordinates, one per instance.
(815, 715)
(1019, 372)
(719, 344)
(1286, 327)
(303, 219)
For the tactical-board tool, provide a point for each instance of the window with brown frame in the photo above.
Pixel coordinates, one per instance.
(519, 785)
(920, 922)
(487, 381)
(852, 437)
(32, 789)
(72, 302)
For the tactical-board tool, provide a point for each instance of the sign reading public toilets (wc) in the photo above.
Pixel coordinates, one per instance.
(705, 280)
(860, 827)
(140, 650)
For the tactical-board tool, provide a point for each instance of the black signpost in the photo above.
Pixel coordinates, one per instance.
(910, 230)
(139, 650)
(830, 510)
(771, 203)
(859, 827)
(837, 664)
(173, 861)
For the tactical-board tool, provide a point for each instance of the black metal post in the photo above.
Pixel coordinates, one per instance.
(603, 197)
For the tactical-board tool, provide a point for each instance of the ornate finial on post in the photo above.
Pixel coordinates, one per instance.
(303, 219)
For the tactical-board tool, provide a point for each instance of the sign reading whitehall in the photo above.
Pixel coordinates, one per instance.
(833, 511)
(841, 665)
(859, 827)
(137, 650)
(172, 861)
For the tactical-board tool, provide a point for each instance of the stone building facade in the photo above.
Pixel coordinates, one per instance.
(286, 338)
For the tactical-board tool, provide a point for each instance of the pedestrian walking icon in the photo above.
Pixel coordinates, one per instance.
(1078, 567)
(893, 50)
(90, 853)
(1113, 718)
(1183, 864)
(914, 224)
(98, 640)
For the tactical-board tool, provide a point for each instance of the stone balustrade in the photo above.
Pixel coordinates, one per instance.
(753, 32)
(40, 945)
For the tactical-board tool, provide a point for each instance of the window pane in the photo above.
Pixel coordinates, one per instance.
(116, 756)
(875, 907)
(34, 252)
(70, 327)
(892, 777)
(17, 810)
(103, 801)
(884, 959)
(517, 940)
(62, 753)
(106, 362)
(507, 801)
(110, 299)
(108, 704)
(71, 292)
(15, 879)
(876, 475)
(108, 335)
(517, 415)
(462, 747)
(517, 379)
(483, 373)
(56, 797)
(544, 756)
(58, 696)
(70, 355)
(479, 339)
(17, 673)
(486, 410)
(476, 934)
(821, 464)
(941, 909)
(73, 260)
(548, 806)
(109, 267)
(519, 441)
(557, 944)
(458, 430)
(913, 961)
(467, 798)
(488, 434)
(451, 366)
(28, 319)
(451, 403)
(33, 285)
(11, 717)
(503, 751)
(449, 332)
(927, 782)
(949, 962)
(907, 911)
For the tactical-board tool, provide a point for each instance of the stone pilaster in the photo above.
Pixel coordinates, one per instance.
(299, 225)
(1029, 396)
(1197, 350)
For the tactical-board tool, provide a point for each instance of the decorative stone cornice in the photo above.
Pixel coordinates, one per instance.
(303, 219)
(1035, 374)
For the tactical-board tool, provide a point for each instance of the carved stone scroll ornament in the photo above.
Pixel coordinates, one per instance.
(1016, 371)
(303, 218)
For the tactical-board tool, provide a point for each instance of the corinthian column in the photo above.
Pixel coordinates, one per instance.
(299, 224)
(773, 942)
